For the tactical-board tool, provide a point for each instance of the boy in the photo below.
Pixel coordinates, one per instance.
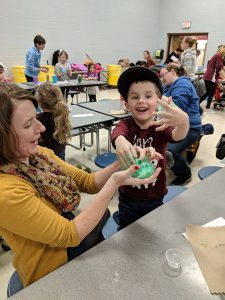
(141, 89)
(33, 58)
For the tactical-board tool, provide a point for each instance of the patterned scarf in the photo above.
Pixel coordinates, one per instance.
(48, 178)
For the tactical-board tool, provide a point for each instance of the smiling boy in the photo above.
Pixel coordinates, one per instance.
(141, 89)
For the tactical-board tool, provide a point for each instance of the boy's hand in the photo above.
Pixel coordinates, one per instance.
(124, 177)
(171, 116)
(125, 151)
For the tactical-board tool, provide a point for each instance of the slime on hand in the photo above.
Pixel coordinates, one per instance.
(146, 169)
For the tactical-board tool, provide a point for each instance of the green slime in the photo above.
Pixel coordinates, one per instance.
(146, 169)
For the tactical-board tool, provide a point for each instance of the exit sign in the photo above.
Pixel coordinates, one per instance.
(186, 24)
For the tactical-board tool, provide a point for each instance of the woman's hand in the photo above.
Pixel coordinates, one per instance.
(124, 177)
(151, 154)
(170, 116)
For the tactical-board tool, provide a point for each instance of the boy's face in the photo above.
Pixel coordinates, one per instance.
(40, 46)
(142, 102)
(1, 70)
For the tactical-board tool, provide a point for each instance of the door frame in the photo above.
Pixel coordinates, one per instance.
(183, 34)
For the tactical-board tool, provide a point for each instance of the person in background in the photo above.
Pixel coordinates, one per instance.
(55, 117)
(183, 93)
(188, 57)
(63, 71)
(212, 73)
(149, 60)
(33, 58)
(141, 89)
(91, 75)
(143, 64)
(2, 74)
(221, 86)
(173, 56)
(37, 187)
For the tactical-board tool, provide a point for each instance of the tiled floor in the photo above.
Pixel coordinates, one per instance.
(205, 156)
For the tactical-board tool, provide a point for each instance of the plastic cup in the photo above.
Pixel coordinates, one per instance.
(174, 258)
(35, 80)
(54, 79)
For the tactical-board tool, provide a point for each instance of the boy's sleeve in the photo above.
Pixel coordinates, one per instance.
(31, 62)
(122, 128)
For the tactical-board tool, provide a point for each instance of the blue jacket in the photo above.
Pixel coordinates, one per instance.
(33, 58)
(185, 97)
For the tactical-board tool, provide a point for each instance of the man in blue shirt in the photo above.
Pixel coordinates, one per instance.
(33, 58)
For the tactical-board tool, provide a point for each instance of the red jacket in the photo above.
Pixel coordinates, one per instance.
(215, 64)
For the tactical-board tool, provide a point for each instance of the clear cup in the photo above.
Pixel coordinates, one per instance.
(174, 258)
(35, 80)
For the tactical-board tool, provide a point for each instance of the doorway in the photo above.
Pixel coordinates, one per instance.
(174, 40)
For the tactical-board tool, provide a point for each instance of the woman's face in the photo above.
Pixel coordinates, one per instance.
(27, 128)
(184, 45)
(146, 55)
(168, 77)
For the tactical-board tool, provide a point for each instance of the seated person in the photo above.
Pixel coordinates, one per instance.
(184, 95)
(37, 187)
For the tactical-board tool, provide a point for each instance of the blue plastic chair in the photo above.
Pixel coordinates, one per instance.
(173, 191)
(207, 171)
(15, 284)
(106, 159)
(110, 228)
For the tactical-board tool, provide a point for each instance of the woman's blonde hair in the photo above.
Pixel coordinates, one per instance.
(221, 49)
(50, 98)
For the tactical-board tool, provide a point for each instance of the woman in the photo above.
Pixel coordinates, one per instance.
(37, 186)
(184, 95)
(212, 74)
(188, 58)
(149, 60)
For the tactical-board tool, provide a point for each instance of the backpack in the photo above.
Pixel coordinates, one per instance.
(220, 151)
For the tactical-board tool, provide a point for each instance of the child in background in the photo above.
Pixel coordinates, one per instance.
(2, 74)
(141, 89)
(33, 58)
(55, 117)
(63, 71)
(92, 75)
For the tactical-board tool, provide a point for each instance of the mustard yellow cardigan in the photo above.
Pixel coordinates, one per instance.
(32, 225)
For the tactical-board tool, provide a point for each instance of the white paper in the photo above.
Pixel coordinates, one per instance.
(214, 223)
(174, 58)
(82, 115)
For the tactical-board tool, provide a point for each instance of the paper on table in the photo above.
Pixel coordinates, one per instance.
(174, 58)
(82, 115)
(208, 244)
(118, 112)
(214, 223)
